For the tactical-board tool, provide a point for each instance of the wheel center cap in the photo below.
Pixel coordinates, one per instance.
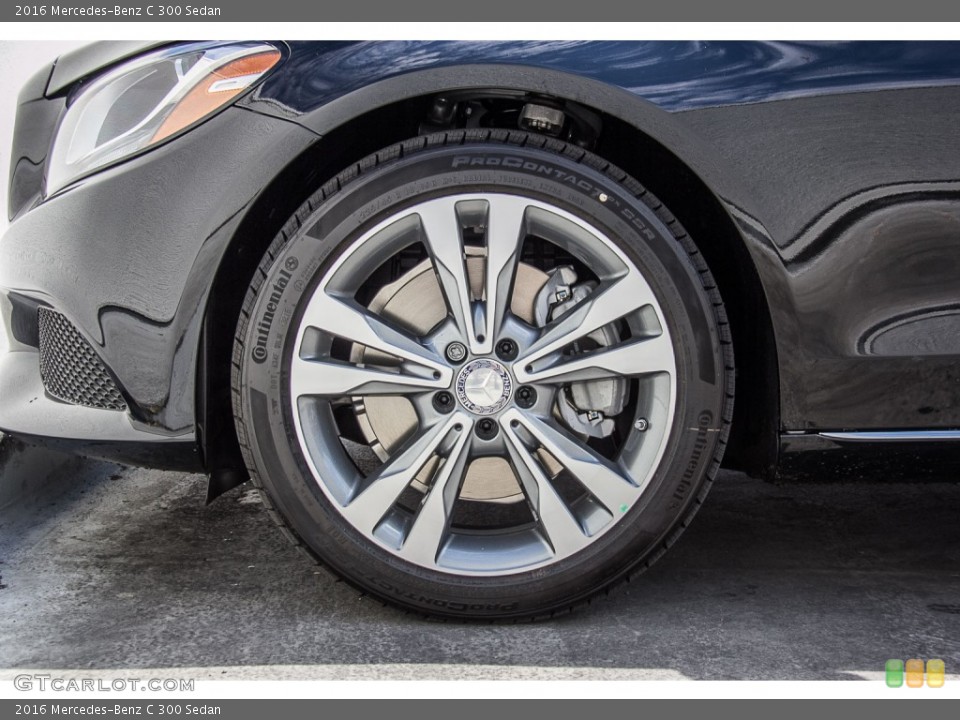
(483, 386)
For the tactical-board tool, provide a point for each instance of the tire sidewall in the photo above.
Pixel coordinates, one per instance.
(302, 257)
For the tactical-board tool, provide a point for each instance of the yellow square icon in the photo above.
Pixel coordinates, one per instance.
(935, 673)
(914, 670)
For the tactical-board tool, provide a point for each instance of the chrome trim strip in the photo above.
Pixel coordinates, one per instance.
(893, 435)
(25, 407)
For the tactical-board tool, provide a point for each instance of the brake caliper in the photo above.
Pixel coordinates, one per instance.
(587, 407)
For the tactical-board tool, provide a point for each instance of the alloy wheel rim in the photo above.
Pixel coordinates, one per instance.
(572, 489)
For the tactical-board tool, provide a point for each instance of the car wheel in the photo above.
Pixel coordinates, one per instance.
(483, 374)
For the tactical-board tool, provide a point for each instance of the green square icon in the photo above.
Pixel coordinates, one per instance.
(894, 673)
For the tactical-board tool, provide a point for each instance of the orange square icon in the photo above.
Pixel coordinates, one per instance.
(914, 670)
(935, 673)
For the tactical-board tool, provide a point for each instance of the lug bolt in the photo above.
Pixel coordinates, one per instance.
(487, 429)
(507, 349)
(443, 402)
(526, 396)
(456, 352)
(641, 424)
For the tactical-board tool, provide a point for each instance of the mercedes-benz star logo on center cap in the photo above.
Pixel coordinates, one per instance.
(484, 386)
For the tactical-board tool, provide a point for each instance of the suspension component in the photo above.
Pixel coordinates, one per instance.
(543, 119)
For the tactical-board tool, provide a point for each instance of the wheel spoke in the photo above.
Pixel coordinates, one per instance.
(350, 321)
(425, 538)
(639, 357)
(337, 379)
(597, 474)
(381, 491)
(505, 231)
(441, 235)
(605, 304)
(564, 532)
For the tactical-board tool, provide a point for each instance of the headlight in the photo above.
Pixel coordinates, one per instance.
(148, 99)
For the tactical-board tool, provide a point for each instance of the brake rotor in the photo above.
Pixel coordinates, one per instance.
(414, 301)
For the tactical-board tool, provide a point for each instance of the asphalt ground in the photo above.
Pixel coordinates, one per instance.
(105, 568)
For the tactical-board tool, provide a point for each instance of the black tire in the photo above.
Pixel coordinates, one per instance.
(513, 162)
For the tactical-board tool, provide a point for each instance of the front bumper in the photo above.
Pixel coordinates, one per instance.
(127, 256)
(30, 414)
(27, 409)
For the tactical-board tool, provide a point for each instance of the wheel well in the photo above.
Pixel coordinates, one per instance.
(264, 219)
(753, 440)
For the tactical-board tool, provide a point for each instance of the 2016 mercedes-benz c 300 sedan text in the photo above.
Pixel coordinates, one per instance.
(470, 315)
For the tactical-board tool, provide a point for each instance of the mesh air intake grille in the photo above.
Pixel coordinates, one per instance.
(69, 367)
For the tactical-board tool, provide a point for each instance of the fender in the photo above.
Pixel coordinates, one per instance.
(666, 128)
